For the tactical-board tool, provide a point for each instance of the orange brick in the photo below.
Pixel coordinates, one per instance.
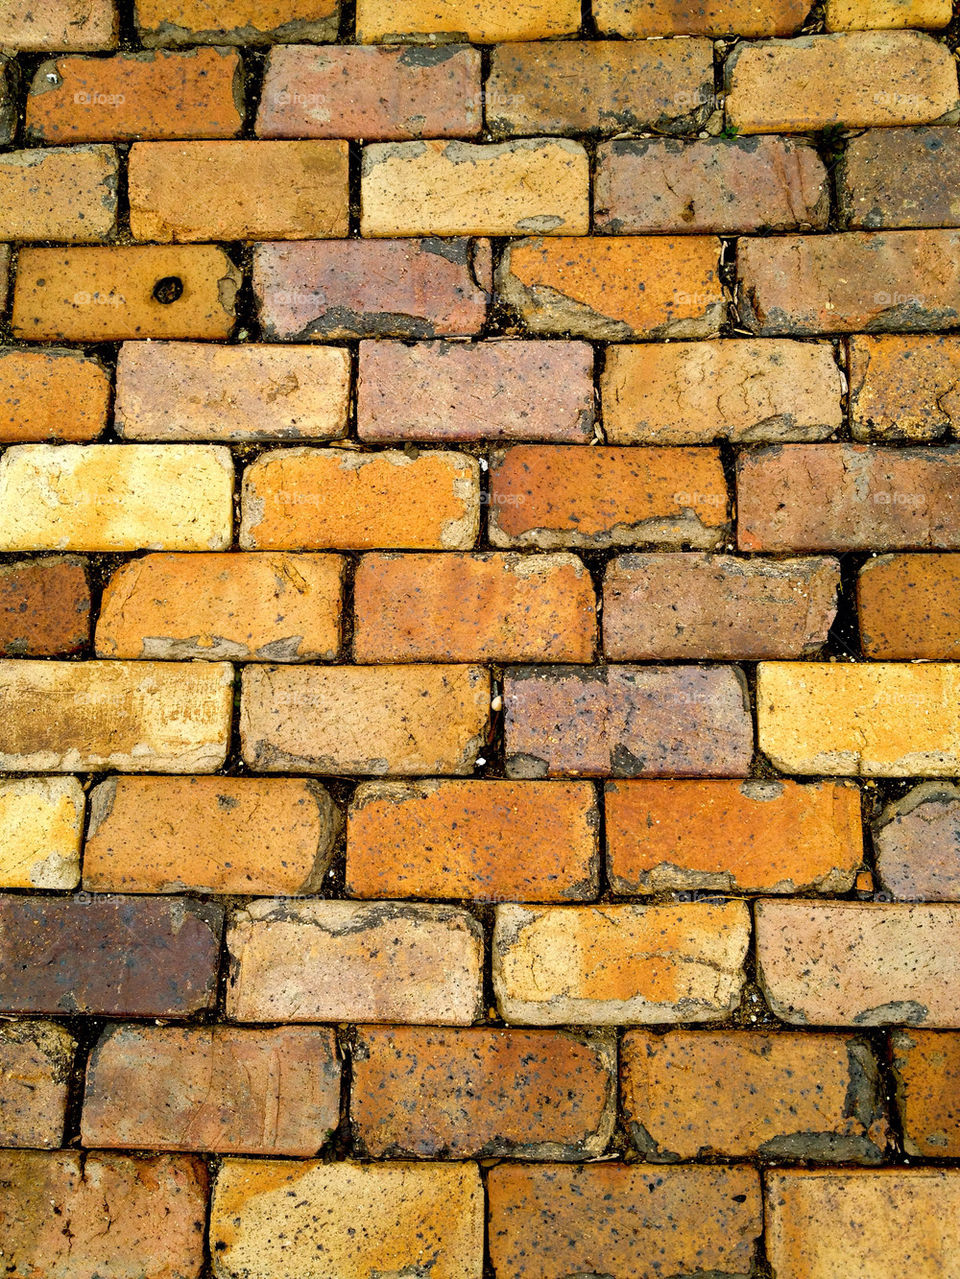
(175, 22)
(53, 394)
(909, 607)
(59, 24)
(641, 19)
(36, 1060)
(66, 194)
(902, 386)
(926, 1067)
(44, 607)
(480, 21)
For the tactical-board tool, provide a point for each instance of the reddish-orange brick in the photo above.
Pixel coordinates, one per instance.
(44, 607)
(53, 394)
(926, 1067)
(904, 386)
(174, 22)
(909, 607)
(64, 193)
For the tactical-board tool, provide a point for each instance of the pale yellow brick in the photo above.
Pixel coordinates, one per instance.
(41, 825)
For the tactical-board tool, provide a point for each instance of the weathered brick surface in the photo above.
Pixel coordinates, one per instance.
(619, 965)
(723, 836)
(909, 606)
(4, 274)
(487, 840)
(917, 844)
(52, 394)
(246, 835)
(41, 827)
(626, 721)
(477, 20)
(779, 1094)
(902, 387)
(354, 961)
(176, 22)
(643, 19)
(59, 24)
(44, 607)
(900, 178)
(36, 1059)
(926, 1067)
(216, 1088)
(533, 1094)
(65, 194)
(9, 84)
(863, 15)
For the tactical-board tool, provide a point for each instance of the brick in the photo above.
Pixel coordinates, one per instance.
(177, 22)
(641, 19)
(155, 94)
(917, 844)
(554, 497)
(882, 281)
(900, 178)
(372, 288)
(902, 386)
(41, 826)
(9, 84)
(184, 191)
(926, 1069)
(424, 20)
(352, 961)
(465, 188)
(884, 1222)
(531, 1094)
(615, 288)
(377, 94)
(300, 499)
(59, 24)
(417, 719)
(751, 389)
(214, 1088)
(858, 963)
(692, 606)
(70, 1215)
(109, 956)
(245, 835)
(358, 1220)
(732, 836)
(850, 81)
(113, 294)
(777, 1094)
(44, 607)
(36, 1061)
(483, 840)
(52, 394)
(847, 497)
(235, 606)
(64, 194)
(141, 717)
(619, 965)
(909, 606)
(865, 15)
(456, 391)
(626, 721)
(617, 1218)
(599, 86)
(478, 607)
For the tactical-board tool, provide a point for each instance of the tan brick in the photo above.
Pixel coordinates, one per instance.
(195, 391)
(351, 961)
(245, 835)
(917, 845)
(462, 188)
(370, 720)
(615, 288)
(41, 826)
(36, 1061)
(732, 836)
(866, 15)
(485, 840)
(909, 607)
(65, 194)
(109, 497)
(619, 965)
(52, 394)
(235, 606)
(112, 294)
(926, 1068)
(4, 274)
(900, 178)
(44, 607)
(358, 1221)
(305, 498)
(212, 1088)
(902, 386)
(176, 22)
(474, 20)
(852, 80)
(142, 717)
(59, 24)
(640, 18)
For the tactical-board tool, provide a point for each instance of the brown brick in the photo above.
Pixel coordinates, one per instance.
(378, 94)
(373, 288)
(534, 1094)
(110, 956)
(859, 963)
(52, 394)
(747, 390)
(354, 961)
(154, 717)
(902, 386)
(847, 497)
(553, 497)
(176, 22)
(475, 20)
(297, 499)
(900, 178)
(773, 1093)
(864, 15)
(909, 607)
(538, 185)
(213, 1088)
(196, 391)
(917, 844)
(368, 720)
(853, 80)
(619, 965)
(41, 827)
(65, 194)
(248, 190)
(615, 288)
(626, 721)
(555, 1221)
(157, 94)
(693, 605)
(926, 1067)
(59, 24)
(112, 294)
(484, 840)
(245, 835)
(731, 836)
(478, 607)
(641, 19)
(36, 1060)
(44, 607)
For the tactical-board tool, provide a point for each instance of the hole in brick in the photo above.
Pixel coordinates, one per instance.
(168, 290)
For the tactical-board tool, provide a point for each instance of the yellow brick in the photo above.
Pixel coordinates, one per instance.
(482, 21)
(41, 823)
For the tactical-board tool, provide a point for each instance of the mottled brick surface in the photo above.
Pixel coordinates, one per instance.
(926, 1067)
(36, 1061)
(51, 394)
(901, 178)
(903, 387)
(44, 607)
(909, 606)
(917, 843)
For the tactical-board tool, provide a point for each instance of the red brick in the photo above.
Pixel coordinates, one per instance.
(175, 22)
(902, 386)
(69, 194)
(909, 607)
(485, 840)
(926, 1068)
(59, 24)
(641, 19)
(44, 608)
(917, 844)
(534, 1094)
(52, 394)
(900, 178)
(36, 1062)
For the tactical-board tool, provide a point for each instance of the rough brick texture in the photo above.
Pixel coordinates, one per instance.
(59, 24)
(917, 844)
(51, 394)
(65, 194)
(926, 1066)
(909, 606)
(642, 20)
(902, 387)
(44, 607)
(477, 20)
(36, 1058)
(176, 22)
(41, 828)
(900, 178)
